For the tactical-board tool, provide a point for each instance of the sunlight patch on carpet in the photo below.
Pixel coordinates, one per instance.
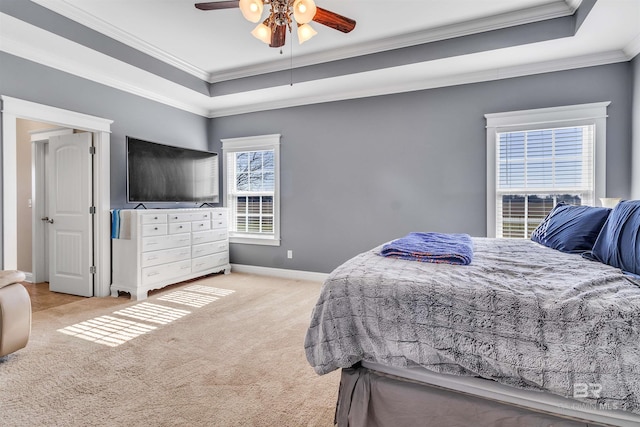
(107, 330)
(113, 331)
(153, 313)
(188, 298)
(209, 290)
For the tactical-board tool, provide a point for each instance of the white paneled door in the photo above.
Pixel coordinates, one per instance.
(68, 216)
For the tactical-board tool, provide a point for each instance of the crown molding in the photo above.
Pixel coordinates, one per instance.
(530, 15)
(573, 4)
(88, 20)
(633, 48)
(555, 9)
(564, 64)
(34, 44)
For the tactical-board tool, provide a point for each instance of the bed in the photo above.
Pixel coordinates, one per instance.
(543, 332)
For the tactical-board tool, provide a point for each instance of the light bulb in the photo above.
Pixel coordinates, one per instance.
(262, 33)
(304, 11)
(305, 32)
(251, 9)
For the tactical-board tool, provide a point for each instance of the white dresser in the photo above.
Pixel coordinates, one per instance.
(158, 247)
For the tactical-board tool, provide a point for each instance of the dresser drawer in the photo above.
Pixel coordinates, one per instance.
(163, 272)
(220, 234)
(200, 225)
(209, 236)
(209, 248)
(219, 222)
(218, 214)
(154, 230)
(201, 216)
(209, 261)
(179, 227)
(149, 259)
(153, 219)
(179, 217)
(165, 242)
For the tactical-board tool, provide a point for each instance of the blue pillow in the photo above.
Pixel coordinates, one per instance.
(619, 241)
(572, 229)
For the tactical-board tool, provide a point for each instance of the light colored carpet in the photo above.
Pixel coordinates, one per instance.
(236, 361)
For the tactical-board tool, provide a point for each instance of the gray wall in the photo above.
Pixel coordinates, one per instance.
(354, 173)
(132, 115)
(361, 172)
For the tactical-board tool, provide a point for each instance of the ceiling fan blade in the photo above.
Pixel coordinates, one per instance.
(214, 5)
(333, 20)
(278, 36)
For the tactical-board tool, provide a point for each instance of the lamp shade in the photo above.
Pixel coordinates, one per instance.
(305, 32)
(251, 9)
(262, 33)
(304, 11)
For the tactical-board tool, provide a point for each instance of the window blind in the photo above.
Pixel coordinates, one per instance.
(537, 169)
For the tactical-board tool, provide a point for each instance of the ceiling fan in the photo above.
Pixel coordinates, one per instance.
(273, 30)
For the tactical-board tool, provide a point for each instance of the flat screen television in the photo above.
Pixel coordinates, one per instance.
(158, 173)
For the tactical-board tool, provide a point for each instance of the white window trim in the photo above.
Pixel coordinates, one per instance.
(255, 143)
(524, 120)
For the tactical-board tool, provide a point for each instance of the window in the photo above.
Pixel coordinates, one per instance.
(252, 188)
(538, 158)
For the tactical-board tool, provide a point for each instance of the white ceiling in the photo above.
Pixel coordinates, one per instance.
(216, 46)
(218, 41)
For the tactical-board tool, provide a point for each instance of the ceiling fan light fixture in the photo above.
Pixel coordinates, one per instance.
(305, 32)
(262, 33)
(251, 9)
(283, 16)
(304, 11)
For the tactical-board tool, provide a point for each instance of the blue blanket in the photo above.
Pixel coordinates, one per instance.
(431, 247)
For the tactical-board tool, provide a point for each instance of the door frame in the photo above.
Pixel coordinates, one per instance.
(13, 109)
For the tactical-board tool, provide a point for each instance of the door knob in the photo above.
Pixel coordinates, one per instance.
(49, 220)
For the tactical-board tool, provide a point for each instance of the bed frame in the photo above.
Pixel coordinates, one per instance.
(537, 401)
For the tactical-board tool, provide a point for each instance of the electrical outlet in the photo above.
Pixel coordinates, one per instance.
(290, 254)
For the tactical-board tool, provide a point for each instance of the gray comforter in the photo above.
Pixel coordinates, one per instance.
(521, 314)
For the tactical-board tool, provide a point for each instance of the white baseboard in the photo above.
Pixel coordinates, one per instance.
(279, 272)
